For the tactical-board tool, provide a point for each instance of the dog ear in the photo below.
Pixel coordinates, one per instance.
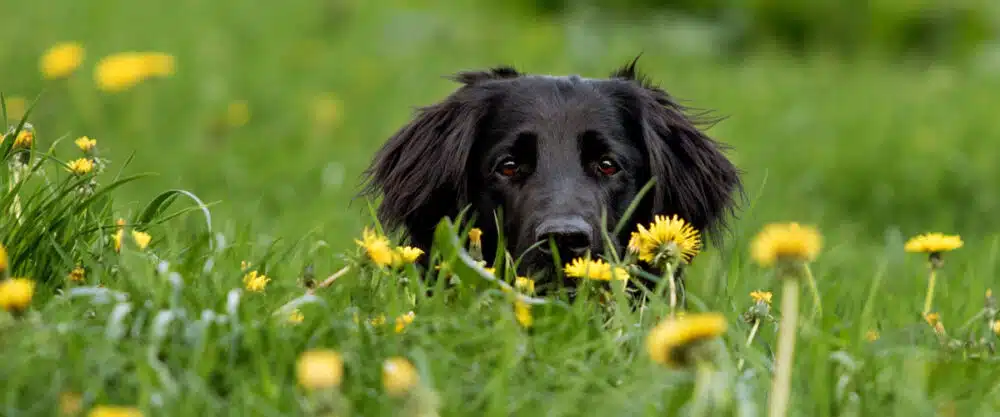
(421, 170)
(694, 178)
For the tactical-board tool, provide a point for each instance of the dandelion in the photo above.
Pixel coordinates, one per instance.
(932, 319)
(934, 245)
(760, 309)
(996, 327)
(70, 404)
(119, 234)
(122, 71)
(296, 317)
(3, 261)
(25, 138)
(789, 246)
(673, 342)
(238, 113)
(141, 239)
(114, 411)
(525, 285)
(85, 144)
(255, 281)
(61, 60)
(522, 312)
(476, 243)
(595, 269)
(16, 294)
(668, 240)
(78, 274)
(404, 320)
(405, 255)
(319, 369)
(377, 247)
(871, 335)
(399, 376)
(761, 297)
(81, 166)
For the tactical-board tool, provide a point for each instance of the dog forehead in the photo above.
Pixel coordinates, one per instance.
(567, 98)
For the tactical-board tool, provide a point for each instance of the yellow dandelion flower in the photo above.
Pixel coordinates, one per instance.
(119, 234)
(761, 296)
(786, 241)
(81, 166)
(399, 376)
(404, 255)
(3, 260)
(25, 138)
(933, 243)
(598, 270)
(932, 318)
(404, 320)
(122, 71)
(667, 239)
(114, 411)
(996, 327)
(255, 281)
(524, 284)
(238, 113)
(669, 342)
(377, 247)
(296, 317)
(78, 274)
(871, 335)
(320, 368)
(141, 239)
(522, 312)
(16, 106)
(85, 144)
(61, 60)
(377, 321)
(70, 403)
(326, 110)
(491, 270)
(16, 294)
(476, 236)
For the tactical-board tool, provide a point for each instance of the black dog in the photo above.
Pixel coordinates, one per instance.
(552, 153)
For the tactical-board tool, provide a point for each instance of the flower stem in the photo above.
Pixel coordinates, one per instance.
(932, 280)
(753, 333)
(673, 289)
(702, 389)
(329, 280)
(817, 303)
(781, 386)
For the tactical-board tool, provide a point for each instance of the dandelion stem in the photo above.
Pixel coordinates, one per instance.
(753, 334)
(781, 386)
(673, 288)
(329, 280)
(16, 205)
(932, 280)
(702, 389)
(817, 302)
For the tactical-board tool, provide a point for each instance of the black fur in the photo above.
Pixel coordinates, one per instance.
(561, 137)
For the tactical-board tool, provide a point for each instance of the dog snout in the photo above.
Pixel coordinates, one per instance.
(571, 234)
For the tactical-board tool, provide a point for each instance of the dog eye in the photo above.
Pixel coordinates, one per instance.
(508, 168)
(607, 167)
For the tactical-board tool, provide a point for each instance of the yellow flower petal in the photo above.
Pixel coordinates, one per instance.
(114, 411)
(404, 320)
(595, 269)
(61, 60)
(321, 368)
(786, 241)
(761, 296)
(933, 243)
(85, 144)
(670, 236)
(81, 166)
(669, 341)
(16, 294)
(399, 376)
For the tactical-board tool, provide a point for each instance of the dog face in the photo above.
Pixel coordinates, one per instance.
(554, 156)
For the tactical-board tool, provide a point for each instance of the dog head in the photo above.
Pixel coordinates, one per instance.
(554, 156)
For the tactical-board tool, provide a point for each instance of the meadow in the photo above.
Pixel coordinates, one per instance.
(246, 157)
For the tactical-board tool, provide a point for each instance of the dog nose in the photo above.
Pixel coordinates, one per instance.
(570, 234)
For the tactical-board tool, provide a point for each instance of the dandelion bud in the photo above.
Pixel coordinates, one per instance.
(318, 369)
(399, 376)
(476, 243)
(16, 294)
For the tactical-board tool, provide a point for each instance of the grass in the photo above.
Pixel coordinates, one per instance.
(871, 152)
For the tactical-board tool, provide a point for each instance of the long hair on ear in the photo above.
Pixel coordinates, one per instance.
(420, 171)
(694, 178)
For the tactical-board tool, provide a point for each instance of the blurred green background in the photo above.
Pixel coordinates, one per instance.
(869, 118)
